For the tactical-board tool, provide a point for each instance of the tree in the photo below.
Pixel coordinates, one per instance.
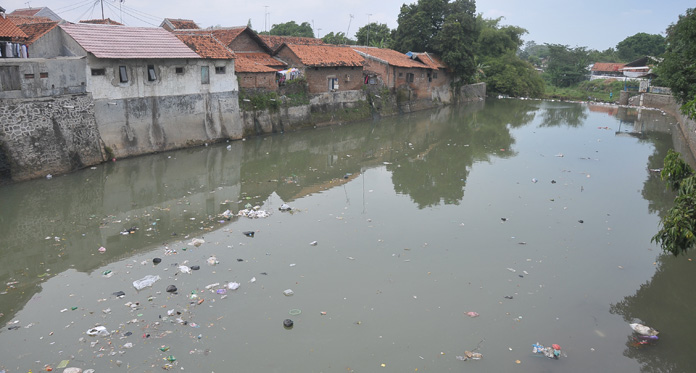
(495, 40)
(535, 53)
(678, 228)
(566, 65)
(337, 38)
(640, 45)
(375, 35)
(607, 55)
(677, 69)
(292, 29)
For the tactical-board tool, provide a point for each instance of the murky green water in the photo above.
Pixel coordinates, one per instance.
(418, 220)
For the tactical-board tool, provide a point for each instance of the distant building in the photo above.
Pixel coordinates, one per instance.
(106, 21)
(606, 70)
(171, 24)
(327, 68)
(36, 12)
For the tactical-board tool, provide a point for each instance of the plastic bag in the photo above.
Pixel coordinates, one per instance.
(98, 331)
(146, 281)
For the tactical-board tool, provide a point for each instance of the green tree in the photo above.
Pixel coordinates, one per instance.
(607, 55)
(566, 65)
(292, 29)
(495, 40)
(640, 45)
(535, 53)
(677, 70)
(375, 35)
(447, 28)
(337, 38)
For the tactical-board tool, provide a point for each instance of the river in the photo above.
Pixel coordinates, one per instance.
(533, 217)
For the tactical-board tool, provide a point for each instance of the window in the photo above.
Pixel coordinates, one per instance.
(401, 74)
(28, 76)
(409, 78)
(9, 78)
(179, 70)
(43, 75)
(219, 69)
(98, 72)
(151, 76)
(434, 75)
(205, 75)
(123, 74)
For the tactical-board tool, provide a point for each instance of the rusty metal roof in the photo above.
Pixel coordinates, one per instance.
(123, 42)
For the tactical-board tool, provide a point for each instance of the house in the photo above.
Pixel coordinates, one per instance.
(327, 68)
(150, 89)
(23, 20)
(36, 12)
(11, 38)
(274, 42)
(171, 24)
(640, 68)
(254, 65)
(606, 70)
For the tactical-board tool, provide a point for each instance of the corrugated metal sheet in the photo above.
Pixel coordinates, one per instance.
(107, 41)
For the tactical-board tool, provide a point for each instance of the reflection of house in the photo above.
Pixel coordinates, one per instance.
(327, 68)
(606, 70)
(36, 12)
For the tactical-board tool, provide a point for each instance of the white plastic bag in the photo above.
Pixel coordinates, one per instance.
(146, 281)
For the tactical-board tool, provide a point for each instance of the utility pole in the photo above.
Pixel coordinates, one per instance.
(102, 6)
(348, 30)
(265, 17)
(319, 33)
(368, 29)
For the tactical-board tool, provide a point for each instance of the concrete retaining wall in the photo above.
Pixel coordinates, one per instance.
(48, 135)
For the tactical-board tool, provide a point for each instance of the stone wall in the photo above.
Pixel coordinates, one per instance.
(668, 104)
(472, 92)
(48, 135)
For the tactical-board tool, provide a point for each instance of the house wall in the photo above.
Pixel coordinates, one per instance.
(381, 69)
(141, 125)
(257, 80)
(39, 77)
(349, 78)
(245, 43)
(56, 43)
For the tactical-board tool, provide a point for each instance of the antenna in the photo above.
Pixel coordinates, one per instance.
(28, 4)
(349, 21)
(319, 33)
(265, 17)
(368, 29)
(102, 6)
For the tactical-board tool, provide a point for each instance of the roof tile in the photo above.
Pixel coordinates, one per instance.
(107, 21)
(390, 57)
(326, 55)
(9, 30)
(206, 46)
(607, 66)
(108, 41)
(25, 12)
(23, 20)
(183, 24)
(430, 60)
(276, 41)
(36, 30)
(257, 62)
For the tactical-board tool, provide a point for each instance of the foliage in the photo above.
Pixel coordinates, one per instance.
(607, 55)
(375, 35)
(588, 90)
(677, 70)
(292, 29)
(337, 38)
(510, 75)
(495, 40)
(535, 53)
(640, 45)
(676, 234)
(447, 28)
(566, 65)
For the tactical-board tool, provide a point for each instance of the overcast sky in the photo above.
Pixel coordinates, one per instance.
(591, 23)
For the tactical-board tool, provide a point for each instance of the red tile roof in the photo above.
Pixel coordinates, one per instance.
(325, 55)
(36, 30)
(430, 60)
(108, 41)
(607, 66)
(107, 21)
(182, 24)
(257, 62)
(23, 20)
(389, 56)
(25, 12)
(274, 42)
(206, 46)
(227, 35)
(9, 30)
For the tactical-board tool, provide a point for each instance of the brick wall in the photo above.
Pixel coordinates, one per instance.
(257, 80)
(244, 43)
(349, 78)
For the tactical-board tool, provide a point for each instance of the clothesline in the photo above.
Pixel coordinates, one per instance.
(13, 50)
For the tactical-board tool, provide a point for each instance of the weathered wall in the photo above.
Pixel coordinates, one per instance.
(49, 135)
(257, 80)
(349, 78)
(40, 77)
(471, 92)
(668, 104)
(245, 43)
(144, 125)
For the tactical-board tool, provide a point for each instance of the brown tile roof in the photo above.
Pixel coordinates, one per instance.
(9, 30)
(274, 42)
(325, 55)
(430, 60)
(607, 66)
(257, 62)
(25, 12)
(36, 30)
(389, 56)
(183, 24)
(107, 21)
(207, 46)
(227, 35)
(23, 20)
(108, 41)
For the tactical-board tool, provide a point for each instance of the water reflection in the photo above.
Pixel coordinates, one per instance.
(570, 115)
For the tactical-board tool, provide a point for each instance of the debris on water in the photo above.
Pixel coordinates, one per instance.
(287, 323)
(227, 214)
(534, 180)
(253, 214)
(119, 294)
(197, 242)
(508, 297)
(233, 285)
(284, 207)
(503, 219)
(146, 281)
(156, 260)
(248, 233)
(212, 261)
(288, 292)
(100, 331)
(185, 269)
(472, 314)
(313, 243)
(171, 289)
(553, 181)
(511, 270)
(552, 352)
(102, 249)
(644, 330)
(581, 221)
(195, 268)
(560, 155)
